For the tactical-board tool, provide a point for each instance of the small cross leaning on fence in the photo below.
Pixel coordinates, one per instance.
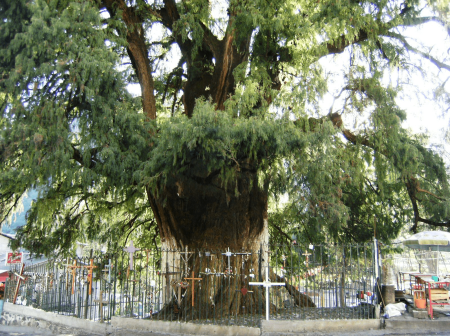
(101, 303)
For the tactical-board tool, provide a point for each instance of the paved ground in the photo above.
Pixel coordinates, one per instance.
(25, 331)
(415, 327)
(28, 331)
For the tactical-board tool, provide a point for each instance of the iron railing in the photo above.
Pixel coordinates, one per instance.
(210, 287)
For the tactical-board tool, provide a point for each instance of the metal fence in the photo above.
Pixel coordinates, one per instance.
(208, 287)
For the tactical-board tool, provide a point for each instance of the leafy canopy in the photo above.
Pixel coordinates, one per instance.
(225, 87)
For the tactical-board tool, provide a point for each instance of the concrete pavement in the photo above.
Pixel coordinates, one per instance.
(20, 320)
(36, 331)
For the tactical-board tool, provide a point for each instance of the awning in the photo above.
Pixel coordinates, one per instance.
(4, 275)
(430, 241)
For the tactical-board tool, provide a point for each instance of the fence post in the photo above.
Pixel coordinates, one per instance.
(376, 269)
(86, 302)
(375, 253)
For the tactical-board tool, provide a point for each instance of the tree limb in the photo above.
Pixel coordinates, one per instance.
(281, 231)
(411, 184)
(137, 51)
(430, 193)
(78, 157)
(436, 62)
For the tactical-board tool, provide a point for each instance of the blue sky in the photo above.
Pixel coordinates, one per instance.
(19, 217)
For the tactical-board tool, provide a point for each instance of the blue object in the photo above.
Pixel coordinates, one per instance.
(1, 307)
(435, 278)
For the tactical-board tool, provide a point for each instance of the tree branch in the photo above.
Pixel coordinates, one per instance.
(409, 47)
(342, 42)
(137, 51)
(421, 20)
(411, 185)
(281, 231)
(78, 157)
(430, 193)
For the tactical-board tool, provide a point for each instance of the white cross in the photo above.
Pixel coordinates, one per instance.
(108, 269)
(267, 283)
(228, 254)
(186, 257)
(131, 249)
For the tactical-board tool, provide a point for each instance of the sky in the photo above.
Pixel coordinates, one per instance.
(18, 219)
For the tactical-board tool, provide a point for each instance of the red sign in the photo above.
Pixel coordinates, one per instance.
(14, 258)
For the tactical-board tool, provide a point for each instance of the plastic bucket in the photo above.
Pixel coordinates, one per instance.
(420, 303)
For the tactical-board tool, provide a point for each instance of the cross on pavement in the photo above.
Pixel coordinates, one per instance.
(267, 284)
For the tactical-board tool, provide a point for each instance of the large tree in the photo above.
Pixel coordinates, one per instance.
(226, 117)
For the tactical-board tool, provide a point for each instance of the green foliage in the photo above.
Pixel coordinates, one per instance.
(213, 141)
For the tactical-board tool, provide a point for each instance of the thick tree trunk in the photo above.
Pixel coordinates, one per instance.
(201, 214)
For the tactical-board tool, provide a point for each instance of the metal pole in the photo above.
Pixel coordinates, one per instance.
(375, 250)
(86, 302)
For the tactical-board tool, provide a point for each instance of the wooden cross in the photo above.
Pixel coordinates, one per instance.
(186, 256)
(90, 272)
(101, 303)
(74, 273)
(131, 249)
(147, 252)
(193, 286)
(19, 280)
(128, 272)
(267, 284)
(307, 258)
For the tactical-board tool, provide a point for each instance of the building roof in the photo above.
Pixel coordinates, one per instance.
(7, 236)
